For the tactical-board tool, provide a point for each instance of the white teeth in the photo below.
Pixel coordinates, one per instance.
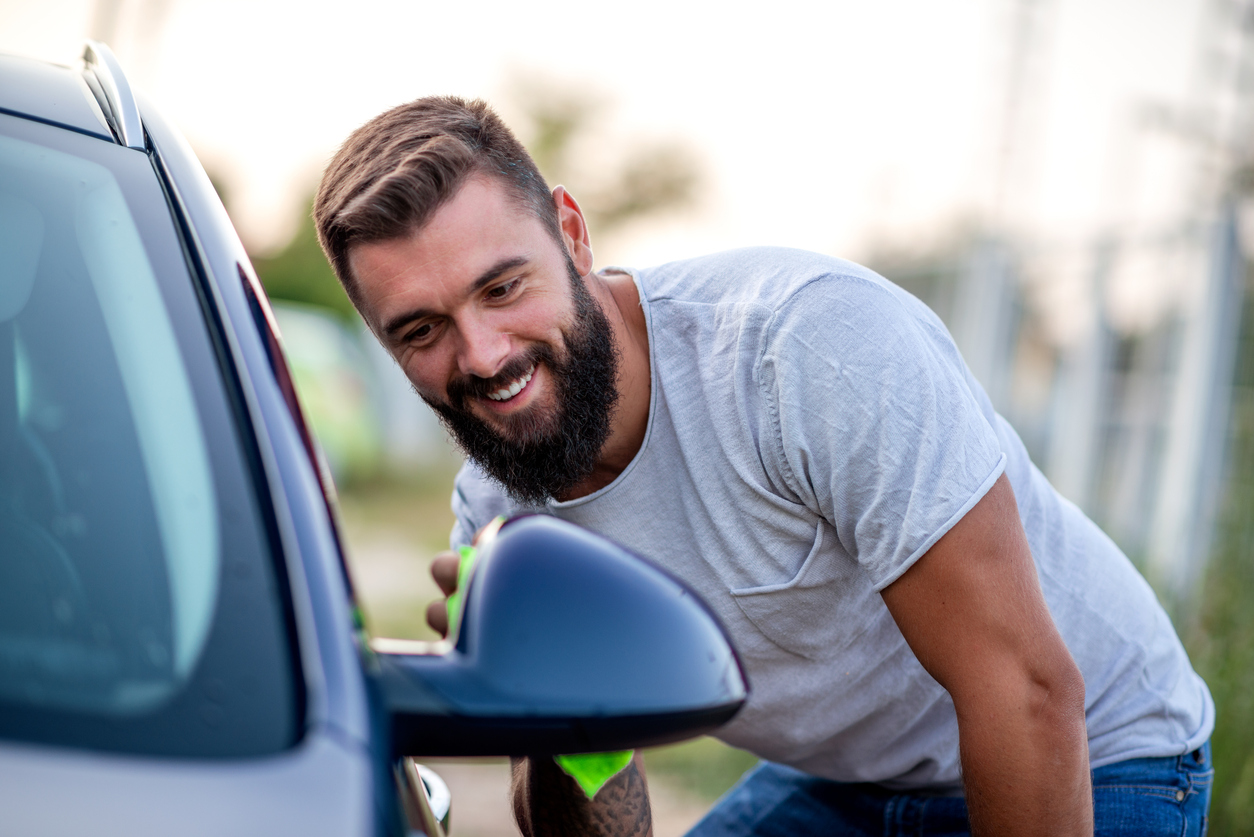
(506, 393)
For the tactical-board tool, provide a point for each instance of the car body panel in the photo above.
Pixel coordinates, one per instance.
(52, 94)
(320, 787)
(336, 778)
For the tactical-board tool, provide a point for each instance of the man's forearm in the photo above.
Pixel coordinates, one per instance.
(1026, 772)
(548, 803)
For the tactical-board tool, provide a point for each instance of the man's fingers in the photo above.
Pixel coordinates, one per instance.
(437, 617)
(444, 571)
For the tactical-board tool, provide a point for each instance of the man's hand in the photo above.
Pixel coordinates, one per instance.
(972, 611)
(548, 803)
(444, 571)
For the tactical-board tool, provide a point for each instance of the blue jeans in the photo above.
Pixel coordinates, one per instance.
(1134, 798)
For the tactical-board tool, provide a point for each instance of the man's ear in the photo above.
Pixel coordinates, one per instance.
(574, 230)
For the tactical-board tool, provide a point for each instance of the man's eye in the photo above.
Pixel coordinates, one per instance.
(502, 291)
(421, 331)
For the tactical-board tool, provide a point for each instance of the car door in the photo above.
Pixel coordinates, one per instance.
(160, 663)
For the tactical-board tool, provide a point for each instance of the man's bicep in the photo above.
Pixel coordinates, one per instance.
(972, 609)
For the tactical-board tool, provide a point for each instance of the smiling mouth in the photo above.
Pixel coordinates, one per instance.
(506, 393)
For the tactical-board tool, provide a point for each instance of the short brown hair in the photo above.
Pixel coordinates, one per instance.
(394, 172)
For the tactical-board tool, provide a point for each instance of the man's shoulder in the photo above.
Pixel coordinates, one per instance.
(477, 499)
(767, 276)
(788, 288)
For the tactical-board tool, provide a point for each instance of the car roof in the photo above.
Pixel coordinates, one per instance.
(50, 93)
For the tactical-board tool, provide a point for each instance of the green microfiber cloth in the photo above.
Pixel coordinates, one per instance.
(592, 770)
(454, 602)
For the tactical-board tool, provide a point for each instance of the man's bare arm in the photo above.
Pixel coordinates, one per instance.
(548, 803)
(973, 613)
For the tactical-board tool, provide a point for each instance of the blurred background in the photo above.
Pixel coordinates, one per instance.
(1068, 183)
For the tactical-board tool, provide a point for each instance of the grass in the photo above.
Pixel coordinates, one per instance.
(1222, 641)
(393, 527)
(704, 768)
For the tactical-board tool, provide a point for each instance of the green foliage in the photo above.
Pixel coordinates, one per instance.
(557, 116)
(650, 177)
(408, 513)
(336, 387)
(704, 767)
(1222, 645)
(300, 272)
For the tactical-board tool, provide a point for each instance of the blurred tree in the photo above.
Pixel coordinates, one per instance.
(651, 176)
(300, 272)
(557, 116)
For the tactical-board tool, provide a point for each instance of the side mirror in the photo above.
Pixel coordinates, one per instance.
(568, 644)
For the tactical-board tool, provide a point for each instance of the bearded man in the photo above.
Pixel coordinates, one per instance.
(937, 642)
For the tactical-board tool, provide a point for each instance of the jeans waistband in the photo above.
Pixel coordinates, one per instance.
(1164, 770)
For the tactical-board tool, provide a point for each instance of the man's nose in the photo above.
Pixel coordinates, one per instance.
(483, 349)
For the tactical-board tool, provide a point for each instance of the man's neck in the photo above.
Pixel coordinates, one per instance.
(619, 298)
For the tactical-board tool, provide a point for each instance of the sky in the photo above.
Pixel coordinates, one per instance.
(833, 126)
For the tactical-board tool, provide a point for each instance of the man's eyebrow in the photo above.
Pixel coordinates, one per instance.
(487, 277)
(493, 273)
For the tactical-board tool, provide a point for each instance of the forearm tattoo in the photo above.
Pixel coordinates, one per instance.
(548, 803)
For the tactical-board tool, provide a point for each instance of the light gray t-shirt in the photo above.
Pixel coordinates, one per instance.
(812, 432)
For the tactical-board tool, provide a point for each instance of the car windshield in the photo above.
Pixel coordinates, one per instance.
(118, 470)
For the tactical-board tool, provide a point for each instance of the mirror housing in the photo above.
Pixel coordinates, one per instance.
(568, 644)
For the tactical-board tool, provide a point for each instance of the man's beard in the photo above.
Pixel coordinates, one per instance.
(541, 456)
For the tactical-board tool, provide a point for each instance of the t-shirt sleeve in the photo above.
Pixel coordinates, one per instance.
(476, 501)
(881, 428)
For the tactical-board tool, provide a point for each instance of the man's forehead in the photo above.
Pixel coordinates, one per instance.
(481, 214)
(476, 233)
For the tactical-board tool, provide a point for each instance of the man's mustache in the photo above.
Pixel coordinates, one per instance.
(472, 386)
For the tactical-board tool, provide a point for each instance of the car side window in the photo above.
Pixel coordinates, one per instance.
(140, 609)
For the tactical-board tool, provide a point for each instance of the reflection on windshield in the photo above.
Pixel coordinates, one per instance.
(109, 552)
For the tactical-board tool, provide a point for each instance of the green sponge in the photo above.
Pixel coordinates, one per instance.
(592, 770)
